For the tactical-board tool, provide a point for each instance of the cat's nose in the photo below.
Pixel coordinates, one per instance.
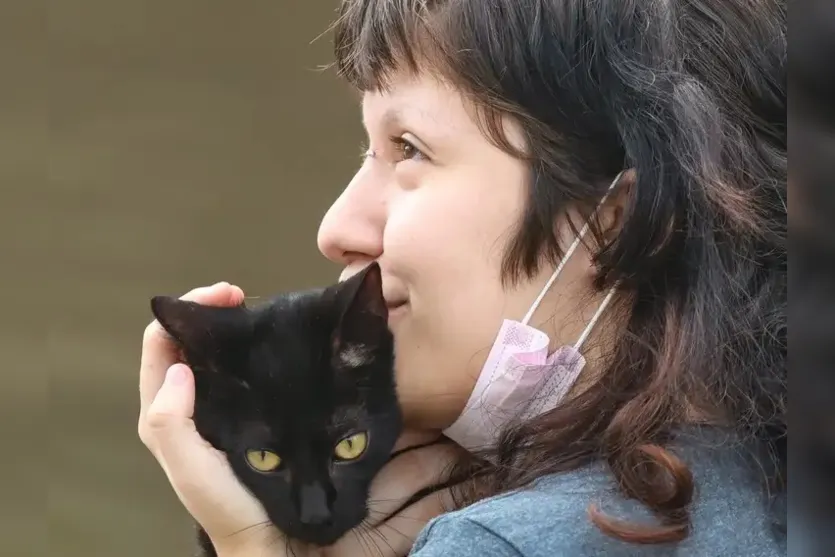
(314, 509)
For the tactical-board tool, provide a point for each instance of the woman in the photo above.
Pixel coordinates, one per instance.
(499, 132)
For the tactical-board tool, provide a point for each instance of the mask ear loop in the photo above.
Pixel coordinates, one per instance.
(571, 249)
(596, 317)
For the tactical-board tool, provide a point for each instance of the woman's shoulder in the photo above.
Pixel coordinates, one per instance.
(550, 518)
(547, 519)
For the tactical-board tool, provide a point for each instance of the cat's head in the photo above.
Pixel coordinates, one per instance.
(299, 393)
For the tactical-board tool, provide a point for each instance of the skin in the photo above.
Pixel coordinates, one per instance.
(434, 202)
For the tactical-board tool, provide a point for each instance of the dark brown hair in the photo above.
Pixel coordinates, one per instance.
(692, 96)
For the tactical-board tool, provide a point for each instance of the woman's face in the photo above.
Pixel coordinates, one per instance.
(436, 204)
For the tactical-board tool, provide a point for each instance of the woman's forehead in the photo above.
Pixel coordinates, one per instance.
(417, 101)
(414, 95)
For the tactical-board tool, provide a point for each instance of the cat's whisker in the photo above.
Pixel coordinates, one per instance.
(276, 538)
(358, 535)
(375, 511)
(379, 517)
(375, 533)
(396, 531)
(372, 502)
(265, 524)
(400, 517)
(256, 390)
(289, 547)
(385, 540)
(361, 541)
(360, 531)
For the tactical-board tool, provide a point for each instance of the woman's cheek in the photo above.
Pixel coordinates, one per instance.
(414, 233)
(408, 175)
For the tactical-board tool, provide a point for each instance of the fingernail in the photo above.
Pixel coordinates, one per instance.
(221, 283)
(176, 375)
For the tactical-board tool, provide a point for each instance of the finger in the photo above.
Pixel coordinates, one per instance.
(423, 467)
(172, 407)
(189, 461)
(159, 353)
(169, 424)
(398, 534)
(175, 399)
(414, 438)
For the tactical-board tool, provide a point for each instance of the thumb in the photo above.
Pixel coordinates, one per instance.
(179, 448)
(174, 401)
(200, 475)
(169, 415)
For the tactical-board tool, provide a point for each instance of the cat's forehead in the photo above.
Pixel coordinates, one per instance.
(302, 422)
(298, 315)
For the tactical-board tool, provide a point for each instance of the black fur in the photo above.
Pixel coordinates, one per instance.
(295, 376)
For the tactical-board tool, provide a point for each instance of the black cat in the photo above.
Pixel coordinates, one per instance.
(299, 394)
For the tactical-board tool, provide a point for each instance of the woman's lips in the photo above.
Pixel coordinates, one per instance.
(396, 310)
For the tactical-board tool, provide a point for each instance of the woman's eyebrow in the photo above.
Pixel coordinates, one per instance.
(428, 124)
(392, 117)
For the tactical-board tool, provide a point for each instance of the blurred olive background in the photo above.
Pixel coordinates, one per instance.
(159, 145)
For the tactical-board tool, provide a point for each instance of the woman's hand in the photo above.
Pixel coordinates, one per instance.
(200, 475)
(231, 516)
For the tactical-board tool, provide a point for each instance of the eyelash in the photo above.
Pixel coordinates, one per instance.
(400, 145)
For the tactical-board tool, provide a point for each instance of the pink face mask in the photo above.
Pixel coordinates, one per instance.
(519, 378)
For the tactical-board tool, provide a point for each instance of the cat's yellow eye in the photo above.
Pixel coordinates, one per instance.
(351, 447)
(263, 461)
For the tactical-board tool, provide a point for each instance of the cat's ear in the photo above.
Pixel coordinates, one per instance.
(362, 294)
(363, 327)
(199, 328)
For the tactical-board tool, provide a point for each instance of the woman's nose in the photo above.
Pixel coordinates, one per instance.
(352, 229)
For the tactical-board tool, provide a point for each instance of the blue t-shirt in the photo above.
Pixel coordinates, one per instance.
(730, 515)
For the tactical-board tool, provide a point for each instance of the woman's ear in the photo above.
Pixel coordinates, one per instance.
(611, 212)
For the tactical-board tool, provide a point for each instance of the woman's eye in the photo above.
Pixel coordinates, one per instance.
(406, 150)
